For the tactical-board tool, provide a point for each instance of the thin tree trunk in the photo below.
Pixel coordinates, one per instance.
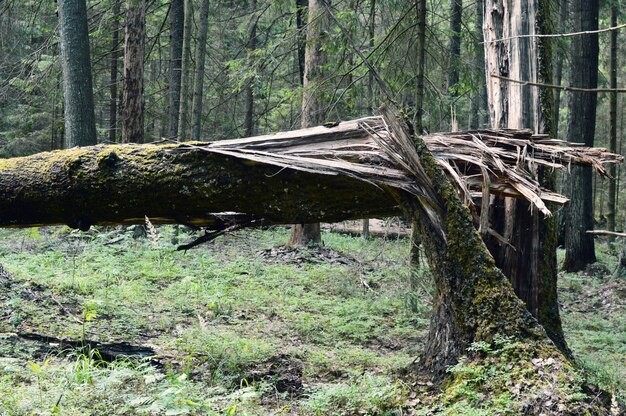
(558, 65)
(613, 118)
(183, 122)
(558, 76)
(371, 29)
(414, 258)
(198, 84)
(301, 7)
(133, 105)
(454, 49)
(312, 103)
(478, 106)
(80, 121)
(115, 47)
(421, 66)
(580, 249)
(249, 88)
(177, 20)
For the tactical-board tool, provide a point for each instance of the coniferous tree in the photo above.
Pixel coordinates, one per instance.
(312, 102)
(579, 246)
(133, 103)
(80, 124)
(177, 20)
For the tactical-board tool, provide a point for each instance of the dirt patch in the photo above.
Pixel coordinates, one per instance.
(283, 371)
(306, 255)
(613, 294)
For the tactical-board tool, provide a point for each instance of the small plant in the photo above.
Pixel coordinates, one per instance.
(89, 314)
(39, 371)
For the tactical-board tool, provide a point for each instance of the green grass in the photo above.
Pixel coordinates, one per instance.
(230, 326)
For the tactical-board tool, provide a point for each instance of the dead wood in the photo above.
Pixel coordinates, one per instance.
(320, 173)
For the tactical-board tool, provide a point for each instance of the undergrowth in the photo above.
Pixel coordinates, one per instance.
(237, 333)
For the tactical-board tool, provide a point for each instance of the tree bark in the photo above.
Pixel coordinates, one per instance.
(80, 121)
(312, 103)
(579, 246)
(177, 20)
(301, 7)
(133, 105)
(115, 47)
(183, 122)
(414, 256)
(454, 49)
(421, 66)
(198, 83)
(530, 260)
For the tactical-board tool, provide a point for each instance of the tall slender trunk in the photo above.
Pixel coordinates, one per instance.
(198, 83)
(414, 256)
(421, 66)
(133, 105)
(454, 49)
(312, 102)
(558, 64)
(530, 260)
(301, 6)
(183, 122)
(478, 103)
(80, 120)
(115, 47)
(613, 118)
(580, 249)
(177, 20)
(249, 88)
(371, 32)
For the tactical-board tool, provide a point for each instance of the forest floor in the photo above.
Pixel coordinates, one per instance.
(101, 323)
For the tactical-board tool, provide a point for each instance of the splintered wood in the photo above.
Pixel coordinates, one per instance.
(356, 169)
(480, 163)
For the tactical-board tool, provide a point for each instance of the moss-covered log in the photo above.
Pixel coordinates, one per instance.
(104, 185)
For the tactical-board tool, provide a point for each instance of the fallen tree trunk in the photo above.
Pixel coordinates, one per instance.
(174, 183)
(317, 174)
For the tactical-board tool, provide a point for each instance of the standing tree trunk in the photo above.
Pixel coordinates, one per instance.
(480, 96)
(558, 65)
(371, 29)
(80, 121)
(177, 20)
(301, 6)
(115, 40)
(454, 49)
(248, 123)
(198, 83)
(414, 256)
(312, 103)
(529, 261)
(133, 105)
(613, 118)
(183, 122)
(579, 245)
(421, 66)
